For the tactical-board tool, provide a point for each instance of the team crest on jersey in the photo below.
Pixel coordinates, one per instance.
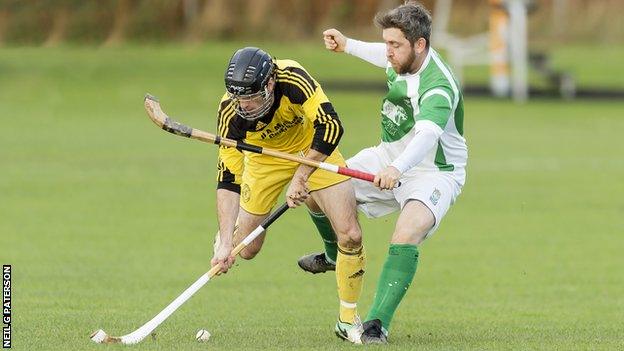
(435, 197)
(260, 125)
(245, 192)
(394, 112)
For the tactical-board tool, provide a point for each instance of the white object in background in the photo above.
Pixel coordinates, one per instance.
(519, 53)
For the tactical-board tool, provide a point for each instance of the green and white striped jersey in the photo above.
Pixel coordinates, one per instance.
(431, 95)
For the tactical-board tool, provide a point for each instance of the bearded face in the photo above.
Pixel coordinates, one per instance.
(400, 52)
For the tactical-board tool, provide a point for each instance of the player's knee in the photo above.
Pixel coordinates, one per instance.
(413, 234)
(249, 252)
(350, 236)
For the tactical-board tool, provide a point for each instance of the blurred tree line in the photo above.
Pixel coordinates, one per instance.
(110, 22)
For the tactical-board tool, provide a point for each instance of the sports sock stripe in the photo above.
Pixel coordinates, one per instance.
(348, 304)
(357, 251)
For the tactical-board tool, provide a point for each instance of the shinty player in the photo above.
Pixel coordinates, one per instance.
(422, 128)
(276, 104)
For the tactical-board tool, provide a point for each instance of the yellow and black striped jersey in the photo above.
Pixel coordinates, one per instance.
(301, 118)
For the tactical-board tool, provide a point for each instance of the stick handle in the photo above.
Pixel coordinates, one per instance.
(356, 174)
(156, 114)
(139, 334)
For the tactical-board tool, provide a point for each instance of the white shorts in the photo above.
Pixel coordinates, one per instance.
(436, 190)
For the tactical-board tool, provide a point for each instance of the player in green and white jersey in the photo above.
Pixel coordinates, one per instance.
(422, 145)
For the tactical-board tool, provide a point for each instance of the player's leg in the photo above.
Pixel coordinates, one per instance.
(324, 261)
(338, 203)
(366, 160)
(247, 222)
(426, 200)
(263, 180)
(398, 271)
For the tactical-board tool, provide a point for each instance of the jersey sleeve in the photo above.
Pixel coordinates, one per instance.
(436, 106)
(230, 160)
(308, 96)
(374, 53)
(426, 136)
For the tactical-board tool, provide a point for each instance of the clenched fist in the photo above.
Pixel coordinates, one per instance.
(334, 40)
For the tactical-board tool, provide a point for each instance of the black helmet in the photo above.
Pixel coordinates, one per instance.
(247, 78)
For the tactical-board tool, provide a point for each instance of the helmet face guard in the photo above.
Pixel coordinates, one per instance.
(247, 82)
(259, 103)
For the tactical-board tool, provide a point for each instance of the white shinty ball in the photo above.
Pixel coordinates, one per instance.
(202, 335)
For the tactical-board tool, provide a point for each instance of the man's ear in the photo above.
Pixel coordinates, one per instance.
(271, 84)
(421, 45)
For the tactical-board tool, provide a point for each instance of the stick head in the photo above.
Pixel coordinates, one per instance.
(155, 113)
(100, 337)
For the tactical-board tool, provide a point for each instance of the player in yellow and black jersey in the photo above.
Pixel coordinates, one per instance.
(296, 117)
(276, 104)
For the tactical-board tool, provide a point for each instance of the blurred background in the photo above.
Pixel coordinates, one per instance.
(114, 21)
(105, 218)
(512, 47)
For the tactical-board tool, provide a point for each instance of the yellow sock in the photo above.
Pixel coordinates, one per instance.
(349, 274)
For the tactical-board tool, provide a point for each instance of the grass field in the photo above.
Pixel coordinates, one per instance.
(106, 219)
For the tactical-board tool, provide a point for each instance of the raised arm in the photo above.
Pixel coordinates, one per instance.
(374, 53)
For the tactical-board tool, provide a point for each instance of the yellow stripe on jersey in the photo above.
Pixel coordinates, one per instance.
(226, 116)
(226, 172)
(229, 114)
(332, 127)
(298, 80)
(220, 117)
(305, 92)
(329, 128)
(321, 118)
(304, 80)
(333, 133)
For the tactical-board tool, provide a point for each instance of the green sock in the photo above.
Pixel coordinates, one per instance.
(395, 279)
(327, 233)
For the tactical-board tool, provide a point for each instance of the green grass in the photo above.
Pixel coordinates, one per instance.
(106, 219)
